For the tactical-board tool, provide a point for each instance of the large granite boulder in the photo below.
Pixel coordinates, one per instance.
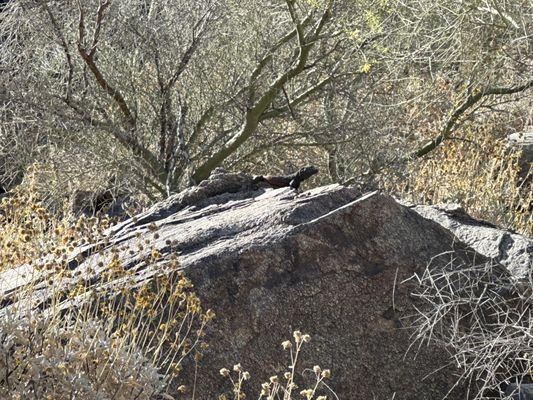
(329, 261)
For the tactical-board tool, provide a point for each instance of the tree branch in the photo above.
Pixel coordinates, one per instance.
(202, 121)
(124, 137)
(253, 114)
(470, 101)
(199, 30)
(296, 101)
(268, 57)
(88, 58)
(175, 151)
(63, 42)
(99, 18)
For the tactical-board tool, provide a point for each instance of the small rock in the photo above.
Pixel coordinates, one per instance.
(523, 141)
(520, 392)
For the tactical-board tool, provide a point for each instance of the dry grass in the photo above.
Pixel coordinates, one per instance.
(479, 172)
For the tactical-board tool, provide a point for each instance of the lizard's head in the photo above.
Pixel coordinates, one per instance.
(307, 172)
(258, 178)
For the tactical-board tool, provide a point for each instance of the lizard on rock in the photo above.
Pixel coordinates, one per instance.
(292, 180)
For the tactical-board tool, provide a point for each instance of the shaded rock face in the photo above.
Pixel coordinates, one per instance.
(509, 249)
(328, 261)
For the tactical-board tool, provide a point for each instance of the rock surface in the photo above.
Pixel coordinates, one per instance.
(512, 250)
(522, 392)
(523, 141)
(328, 261)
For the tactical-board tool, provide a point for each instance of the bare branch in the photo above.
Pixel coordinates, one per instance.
(199, 31)
(470, 101)
(179, 151)
(88, 57)
(268, 57)
(296, 101)
(253, 114)
(99, 18)
(64, 46)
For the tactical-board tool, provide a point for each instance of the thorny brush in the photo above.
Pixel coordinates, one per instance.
(484, 317)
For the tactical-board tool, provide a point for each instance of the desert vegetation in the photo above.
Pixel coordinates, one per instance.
(86, 339)
(140, 99)
(484, 317)
(284, 387)
(150, 96)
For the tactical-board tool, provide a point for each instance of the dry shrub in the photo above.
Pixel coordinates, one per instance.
(285, 387)
(117, 345)
(46, 359)
(484, 317)
(29, 230)
(477, 171)
(100, 333)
